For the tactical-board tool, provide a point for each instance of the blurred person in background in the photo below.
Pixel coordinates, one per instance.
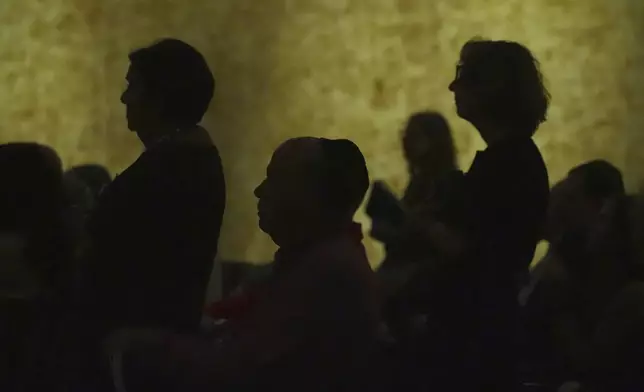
(83, 186)
(406, 271)
(35, 260)
(431, 158)
(94, 176)
(614, 295)
(551, 301)
(602, 336)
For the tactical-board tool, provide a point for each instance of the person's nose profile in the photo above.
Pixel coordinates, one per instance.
(258, 189)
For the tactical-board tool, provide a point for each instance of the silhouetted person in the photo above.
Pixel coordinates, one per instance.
(34, 257)
(430, 154)
(433, 171)
(155, 230)
(431, 160)
(314, 318)
(550, 300)
(498, 88)
(613, 294)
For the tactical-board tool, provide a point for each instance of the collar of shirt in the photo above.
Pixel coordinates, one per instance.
(285, 257)
(507, 145)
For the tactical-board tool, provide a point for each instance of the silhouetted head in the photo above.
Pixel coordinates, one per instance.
(169, 88)
(577, 200)
(428, 143)
(499, 88)
(31, 205)
(312, 188)
(94, 176)
(31, 177)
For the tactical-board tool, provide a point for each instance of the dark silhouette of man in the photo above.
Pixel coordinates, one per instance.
(312, 320)
(154, 233)
(498, 89)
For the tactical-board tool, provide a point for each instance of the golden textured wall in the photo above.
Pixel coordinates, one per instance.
(352, 68)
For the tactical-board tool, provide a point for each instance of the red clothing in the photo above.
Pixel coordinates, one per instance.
(231, 308)
(327, 289)
(315, 317)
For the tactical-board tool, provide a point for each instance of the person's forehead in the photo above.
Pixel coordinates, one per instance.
(295, 156)
(132, 73)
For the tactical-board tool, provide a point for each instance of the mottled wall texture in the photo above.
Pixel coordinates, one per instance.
(354, 68)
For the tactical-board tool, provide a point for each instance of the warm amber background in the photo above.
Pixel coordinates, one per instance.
(353, 68)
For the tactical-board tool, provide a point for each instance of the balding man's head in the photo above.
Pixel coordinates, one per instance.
(311, 182)
(344, 175)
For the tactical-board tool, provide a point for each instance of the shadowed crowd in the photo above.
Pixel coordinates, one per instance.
(103, 280)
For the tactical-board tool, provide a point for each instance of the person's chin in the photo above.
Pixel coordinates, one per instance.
(463, 113)
(261, 222)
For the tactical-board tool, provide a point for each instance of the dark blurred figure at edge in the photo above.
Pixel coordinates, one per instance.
(312, 324)
(498, 88)
(551, 301)
(615, 289)
(584, 309)
(34, 258)
(154, 234)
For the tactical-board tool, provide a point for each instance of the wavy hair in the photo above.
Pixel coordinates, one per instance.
(522, 100)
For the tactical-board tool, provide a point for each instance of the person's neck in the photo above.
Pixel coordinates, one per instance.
(153, 133)
(318, 233)
(194, 134)
(492, 134)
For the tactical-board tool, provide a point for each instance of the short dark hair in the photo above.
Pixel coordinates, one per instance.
(523, 102)
(179, 74)
(346, 177)
(601, 179)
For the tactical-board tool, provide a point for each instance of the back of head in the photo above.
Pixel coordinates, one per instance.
(178, 74)
(520, 98)
(433, 128)
(31, 177)
(345, 176)
(430, 122)
(600, 180)
(31, 203)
